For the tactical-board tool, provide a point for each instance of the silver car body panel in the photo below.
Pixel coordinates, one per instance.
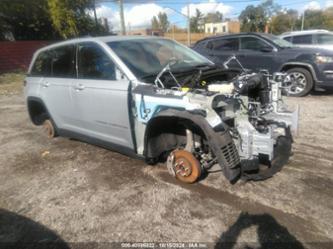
(118, 113)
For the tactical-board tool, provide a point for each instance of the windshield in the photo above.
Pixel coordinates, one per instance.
(278, 41)
(147, 57)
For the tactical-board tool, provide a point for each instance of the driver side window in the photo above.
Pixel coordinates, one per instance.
(252, 43)
(94, 63)
(226, 44)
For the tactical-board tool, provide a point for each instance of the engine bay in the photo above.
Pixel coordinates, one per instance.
(245, 106)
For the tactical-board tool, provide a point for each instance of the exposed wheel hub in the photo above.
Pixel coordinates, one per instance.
(49, 129)
(184, 166)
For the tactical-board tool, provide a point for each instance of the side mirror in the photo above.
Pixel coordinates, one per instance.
(266, 49)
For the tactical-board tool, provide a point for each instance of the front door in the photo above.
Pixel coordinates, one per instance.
(219, 50)
(256, 54)
(100, 97)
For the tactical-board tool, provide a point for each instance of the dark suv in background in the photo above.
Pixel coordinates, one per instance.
(307, 68)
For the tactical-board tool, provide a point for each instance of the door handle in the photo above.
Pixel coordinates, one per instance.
(79, 87)
(45, 84)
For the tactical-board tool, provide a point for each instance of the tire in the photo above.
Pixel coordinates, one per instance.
(301, 82)
(49, 128)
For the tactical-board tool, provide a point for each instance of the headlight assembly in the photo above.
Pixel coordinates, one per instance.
(322, 59)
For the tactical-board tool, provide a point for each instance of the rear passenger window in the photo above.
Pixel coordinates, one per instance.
(42, 65)
(302, 39)
(63, 61)
(224, 44)
(325, 39)
(94, 63)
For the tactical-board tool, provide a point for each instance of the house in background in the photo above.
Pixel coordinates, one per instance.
(153, 32)
(222, 27)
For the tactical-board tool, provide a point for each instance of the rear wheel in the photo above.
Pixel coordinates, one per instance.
(184, 166)
(49, 128)
(299, 82)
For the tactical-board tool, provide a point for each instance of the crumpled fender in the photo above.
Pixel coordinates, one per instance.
(216, 140)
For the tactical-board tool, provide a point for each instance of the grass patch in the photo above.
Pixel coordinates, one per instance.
(11, 83)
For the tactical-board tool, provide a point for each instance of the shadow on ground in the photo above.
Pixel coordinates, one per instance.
(17, 232)
(271, 235)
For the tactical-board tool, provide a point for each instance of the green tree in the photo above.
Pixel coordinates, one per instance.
(253, 19)
(196, 21)
(154, 23)
(314, 19)
(328, 18)
(26, 20)
(213, 17)
(284, 21)
(72, 18)
(164, 22)
(160, 22)
(270, 8)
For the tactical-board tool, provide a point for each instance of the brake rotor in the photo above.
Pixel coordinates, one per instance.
(185, 167)
(49, 128)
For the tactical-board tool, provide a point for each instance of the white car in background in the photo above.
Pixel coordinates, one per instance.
(318, 38)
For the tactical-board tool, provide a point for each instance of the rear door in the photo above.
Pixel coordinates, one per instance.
(55, 85)
(100, 97)
(40, 69)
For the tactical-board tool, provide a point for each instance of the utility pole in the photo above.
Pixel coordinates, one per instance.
(122, 19)
(188, 25)
(303, 20)
(188, 18)
(173, 31)
(129, 28)
(95, 14)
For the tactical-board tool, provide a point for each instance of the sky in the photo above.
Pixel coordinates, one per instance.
(138, 13)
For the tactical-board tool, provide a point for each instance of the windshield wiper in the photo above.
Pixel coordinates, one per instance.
(167, 68)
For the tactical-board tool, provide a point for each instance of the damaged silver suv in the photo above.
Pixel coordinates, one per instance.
(156, 99)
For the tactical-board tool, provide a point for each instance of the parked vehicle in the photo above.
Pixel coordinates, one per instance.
(318, 38)
(158, 100)
(307, 68)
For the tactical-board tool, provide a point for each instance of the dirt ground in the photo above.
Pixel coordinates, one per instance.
(73, 192)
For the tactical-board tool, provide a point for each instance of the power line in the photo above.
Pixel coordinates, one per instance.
(208, 3)
(177, 2)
